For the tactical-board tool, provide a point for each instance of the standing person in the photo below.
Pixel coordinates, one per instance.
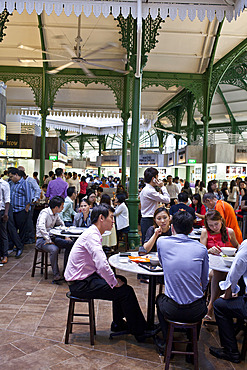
(172, 190)
(226, 211)
(74, 182)
(20, 195)
(4, 209)
(197, 185)
(215, 236)
(150, 198)
(91, 196)
(185, 265)
(49, 178)
(57, 187)
(104, 184)
(90, 276)
(201, 189)
(228, 307)
(35, 176)
(177, 182)
(35, 195)
(47, 220)
(122, 214)
(200, 210)
(233, 193)
(83, 188)
(214, 189)
(187, 189)
(68, 212)
(224, 190)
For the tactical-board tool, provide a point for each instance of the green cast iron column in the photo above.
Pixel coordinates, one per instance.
(44, 105)
(189, 128)
(99, 168)
(206, 121)
(133, 201)
(125, 116)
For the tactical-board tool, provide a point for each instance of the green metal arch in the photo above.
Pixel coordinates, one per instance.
(116, 85)
(34, 81)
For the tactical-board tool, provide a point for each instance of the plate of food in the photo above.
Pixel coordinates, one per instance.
(228, 260)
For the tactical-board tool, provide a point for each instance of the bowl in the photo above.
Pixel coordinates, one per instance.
(229, 251)
(228, 261)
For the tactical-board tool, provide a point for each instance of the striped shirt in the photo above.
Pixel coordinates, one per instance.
(20, 194)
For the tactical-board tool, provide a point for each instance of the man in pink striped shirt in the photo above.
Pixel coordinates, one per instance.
(89, 275)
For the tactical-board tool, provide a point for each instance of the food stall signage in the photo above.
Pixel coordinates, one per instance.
(191, 160)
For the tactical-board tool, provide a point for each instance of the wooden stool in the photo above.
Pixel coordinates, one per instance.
(71, 314)
(244, 345)
(42, 264)
(168, 351)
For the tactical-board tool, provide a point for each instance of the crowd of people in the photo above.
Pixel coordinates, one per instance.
(169, 210)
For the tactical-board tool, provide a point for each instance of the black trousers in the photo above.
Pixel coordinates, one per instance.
(4, 245)
(225, 310)
(21, 223)
(146, 222)
(167, 308)
(124, 300)
(13, 236)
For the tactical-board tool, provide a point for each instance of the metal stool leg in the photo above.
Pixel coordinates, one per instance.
(46, 265)
(34, 262)
(42, 262)
(195, 348)
(69, 320)
(168, 350)
(91, 321)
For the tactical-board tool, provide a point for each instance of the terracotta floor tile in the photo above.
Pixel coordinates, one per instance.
(9, 352)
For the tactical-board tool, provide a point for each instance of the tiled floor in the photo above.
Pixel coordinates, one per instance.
(33, 315)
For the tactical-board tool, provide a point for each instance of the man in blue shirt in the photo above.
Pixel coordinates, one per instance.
(185, 264)
(226, 308)
(20, 195)
(182, 204)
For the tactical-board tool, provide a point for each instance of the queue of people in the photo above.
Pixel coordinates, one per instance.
(169, 212)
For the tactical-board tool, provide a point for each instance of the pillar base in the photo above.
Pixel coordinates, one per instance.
(134, 240)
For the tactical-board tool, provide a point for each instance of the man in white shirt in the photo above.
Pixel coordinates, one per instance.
(226, 308)
(4, 209)
(150, 198)
(177, 183)
(172, 190)
(47, 220)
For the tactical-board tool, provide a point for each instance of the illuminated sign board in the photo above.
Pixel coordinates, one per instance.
(16, 153)
(192, 161)
(53, 157)
(2, 132)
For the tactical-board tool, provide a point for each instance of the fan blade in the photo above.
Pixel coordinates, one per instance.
(23, 47)
(110, 45)
(38, 60)
(85, 69)
(107, 60)
(69, 50)
(105, 67)
(58, 69)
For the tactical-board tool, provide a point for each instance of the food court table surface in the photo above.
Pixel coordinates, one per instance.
(135, 269)
(216, 263)
(75, 232)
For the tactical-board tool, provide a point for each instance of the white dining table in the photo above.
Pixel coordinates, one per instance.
(217, 263)
(134, 268)
(73, 232)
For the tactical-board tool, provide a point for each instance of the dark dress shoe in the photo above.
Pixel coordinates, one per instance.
(121, 326)
(18, 253)
(160, 344)
(148, 333)
(223, 354)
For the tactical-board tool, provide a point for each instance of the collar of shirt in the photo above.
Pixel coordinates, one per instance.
(96, 230)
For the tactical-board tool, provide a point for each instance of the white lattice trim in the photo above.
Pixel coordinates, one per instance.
(182, 8)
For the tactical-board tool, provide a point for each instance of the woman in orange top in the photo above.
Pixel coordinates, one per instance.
(215, 236)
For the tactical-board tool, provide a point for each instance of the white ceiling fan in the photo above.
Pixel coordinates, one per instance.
(76, 56)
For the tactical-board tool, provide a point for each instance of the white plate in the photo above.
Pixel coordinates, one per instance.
(77, 230)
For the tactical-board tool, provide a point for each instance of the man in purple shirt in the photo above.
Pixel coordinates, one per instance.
(89, 275)
(57, 187)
